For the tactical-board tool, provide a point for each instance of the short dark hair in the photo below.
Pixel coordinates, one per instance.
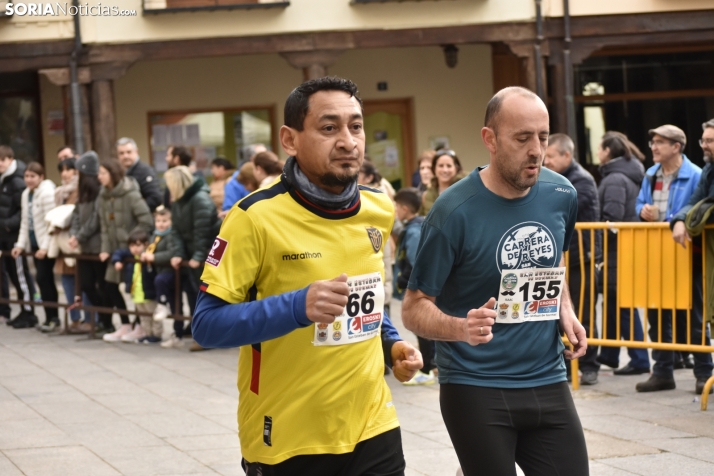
(67, 164)
(223, 162)
(616, 145)
(66, 147)
(89, 187)
(138, 236)
(36, 168)
(368, 168)
(6, 151)
(116, 171)
(408, 196)
(299, 99)
(632, 149)
(183, 154)
(494, 105)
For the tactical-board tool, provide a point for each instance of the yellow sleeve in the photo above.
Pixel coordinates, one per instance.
(235, 259)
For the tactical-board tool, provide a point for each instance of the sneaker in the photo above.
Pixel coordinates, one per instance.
(150, 340)
(172, 342)
(50, 326)
(161, 312)
(116, 336)
(589, 377)
(699, 386)
(24, 320)
(421, 379)
(655, 384)
(135, 335)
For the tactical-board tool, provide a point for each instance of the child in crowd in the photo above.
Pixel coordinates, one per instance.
(159, 254)
(221, 169)
(407, 207)
(36, 200)
(139, 281)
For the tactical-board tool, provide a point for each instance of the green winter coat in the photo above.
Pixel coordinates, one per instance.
(194, 223)
(121, 210)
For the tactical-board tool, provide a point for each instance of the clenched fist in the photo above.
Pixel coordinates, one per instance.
(327, 299)
(479, 322)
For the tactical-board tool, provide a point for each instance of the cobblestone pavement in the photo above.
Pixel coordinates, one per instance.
(73, 406)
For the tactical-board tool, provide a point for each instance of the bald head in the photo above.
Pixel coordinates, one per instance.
(493, 109)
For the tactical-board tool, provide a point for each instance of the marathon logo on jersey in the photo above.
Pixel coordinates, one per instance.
(216, 254)
(375, 237)
(371, 322)
(526, 245)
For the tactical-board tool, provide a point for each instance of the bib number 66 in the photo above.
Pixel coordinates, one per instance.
(357, 306)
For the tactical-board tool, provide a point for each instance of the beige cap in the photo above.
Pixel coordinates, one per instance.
(668, 131)
(709, 123)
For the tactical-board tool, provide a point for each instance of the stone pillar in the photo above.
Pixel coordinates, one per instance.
(103, 120)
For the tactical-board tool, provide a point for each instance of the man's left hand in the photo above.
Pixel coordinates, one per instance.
(406, 360)
(576, 334)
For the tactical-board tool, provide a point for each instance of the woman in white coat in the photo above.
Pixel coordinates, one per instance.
(38, 199)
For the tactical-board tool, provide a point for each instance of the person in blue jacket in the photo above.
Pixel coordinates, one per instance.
(666, 189)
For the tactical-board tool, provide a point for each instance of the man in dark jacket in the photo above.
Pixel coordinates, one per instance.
(12, 183)
(559, 158)
(144, 174)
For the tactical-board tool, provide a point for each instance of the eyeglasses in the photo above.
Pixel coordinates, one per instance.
(659, 143)
(705, 141)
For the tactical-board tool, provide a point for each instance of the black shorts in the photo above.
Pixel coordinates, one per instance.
(378, 456)
(493, 428)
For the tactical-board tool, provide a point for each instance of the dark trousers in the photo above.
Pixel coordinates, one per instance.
(16, 271)
(639, 358)
(492, 429)
(664, 360)
(587, 362)
(378, 456)
(165, 285)
(93, 285)
(428, 351)
(116, 300)
(46, 282)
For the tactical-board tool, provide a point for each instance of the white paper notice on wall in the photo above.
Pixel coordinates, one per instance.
(391, 156)
(55, 122)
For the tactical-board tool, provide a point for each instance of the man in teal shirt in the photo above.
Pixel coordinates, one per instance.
(504, 395)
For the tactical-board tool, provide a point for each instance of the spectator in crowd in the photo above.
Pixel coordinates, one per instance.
(221, 171)
(407, 207)
(121, 211)
(666, 189)
(622, 174)
(139, 280)
(159, 254)
(66, 152)
(195, 225)
(559, 157)
(38, 198)
(424, 170)
(447, 170)
(240, 185)
(249, 152)
(144, 174)
(266, 168)
(68, 194)
(175, 156)
(86, 236)
(12, 181)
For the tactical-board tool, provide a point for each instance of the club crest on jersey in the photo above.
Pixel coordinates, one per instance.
(375, 237)
(527, 245)
(216, 254)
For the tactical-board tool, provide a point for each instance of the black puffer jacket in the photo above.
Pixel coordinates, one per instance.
(145, 176)
(588, 211)
(11, 189)
(618, 190)
(194, 223)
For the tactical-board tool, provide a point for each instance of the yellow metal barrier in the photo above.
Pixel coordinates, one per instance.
(653, 272)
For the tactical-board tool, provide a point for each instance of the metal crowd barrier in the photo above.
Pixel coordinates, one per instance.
(653, 272)
(78, 304)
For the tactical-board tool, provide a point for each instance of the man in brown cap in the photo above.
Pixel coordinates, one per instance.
(665, 191)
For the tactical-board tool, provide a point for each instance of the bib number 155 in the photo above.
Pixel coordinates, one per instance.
(539, 290)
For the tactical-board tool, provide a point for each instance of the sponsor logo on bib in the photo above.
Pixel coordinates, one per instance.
(526, 245)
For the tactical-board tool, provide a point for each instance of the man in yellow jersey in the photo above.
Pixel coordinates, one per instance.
(295, 279)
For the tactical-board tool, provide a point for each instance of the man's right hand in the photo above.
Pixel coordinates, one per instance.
(478, 324)
(680, 235)
(327, 299)
(649, 212)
